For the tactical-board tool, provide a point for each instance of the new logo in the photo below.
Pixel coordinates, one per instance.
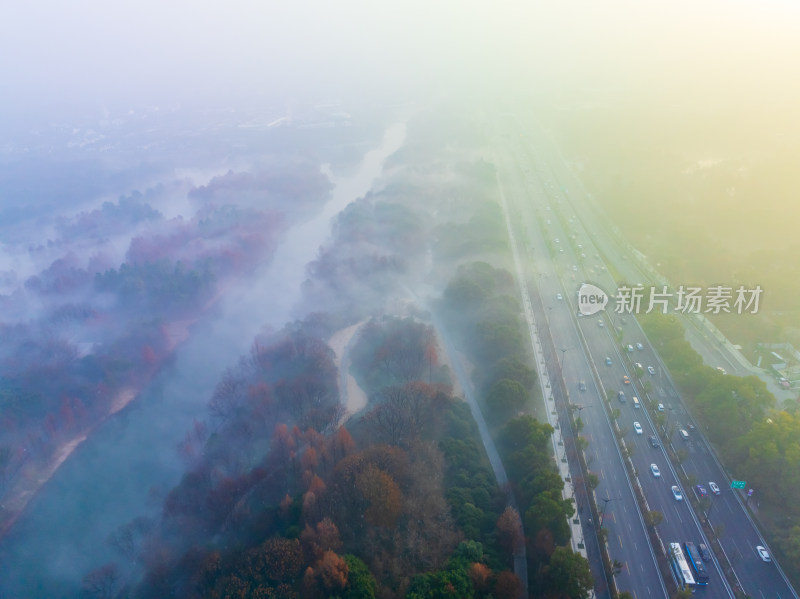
(591, 299)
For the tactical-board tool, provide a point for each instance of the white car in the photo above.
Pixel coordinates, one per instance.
(638, 428)
(639, 346)
(676, 493)
(651, 370)
(714, 487)
(559, 297)
(654, 469)
(600, 323)
(763, 554)
(661, 407)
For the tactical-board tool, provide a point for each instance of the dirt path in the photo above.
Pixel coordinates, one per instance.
(353, 396)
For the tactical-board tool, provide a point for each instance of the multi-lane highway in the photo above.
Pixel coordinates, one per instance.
(627, 536)
(566, 239)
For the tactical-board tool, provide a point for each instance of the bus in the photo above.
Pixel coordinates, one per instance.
(679, 566)
(694, 558)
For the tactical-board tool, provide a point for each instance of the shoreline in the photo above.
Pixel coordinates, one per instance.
(351, 394)
(32, 480)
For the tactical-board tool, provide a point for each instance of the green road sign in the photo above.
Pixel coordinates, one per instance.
(738, 484)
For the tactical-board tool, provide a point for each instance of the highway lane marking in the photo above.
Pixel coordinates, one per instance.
(620, 542)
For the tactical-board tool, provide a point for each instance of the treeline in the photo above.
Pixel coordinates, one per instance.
(280, 502)
(377, 248)
(157, 286)
(554, 569)
(481, 306)
(106, 330)
(49, 392)
(484, 233)
(757, 442)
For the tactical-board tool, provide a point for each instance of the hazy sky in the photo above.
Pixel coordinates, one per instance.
(96, 52)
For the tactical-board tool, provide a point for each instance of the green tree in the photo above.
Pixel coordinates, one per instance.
(568, 574)
(360, 581)
(506, 395)
(653, 518)
(451, 583)
(549, 511)
(511, 367)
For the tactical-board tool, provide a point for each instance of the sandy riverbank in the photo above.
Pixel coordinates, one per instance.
(352, 394)
(34, 476)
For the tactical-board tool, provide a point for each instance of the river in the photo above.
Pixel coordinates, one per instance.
(127, 465)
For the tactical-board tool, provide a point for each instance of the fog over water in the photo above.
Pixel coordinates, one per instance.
(123, 469)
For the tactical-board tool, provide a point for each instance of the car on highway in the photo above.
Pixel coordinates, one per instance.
(626, 380)
(690, 426)
(639, 366)
(600, 323)
(621, 396)
(582, 385)
(701, 491)
(557, 240)
(660, 407)
(721, 369)
(629, 349)
(574, 268)
(608, 361)
(714, 487)
(763, 553)
(651, 370)
(654, 469)
(639, 346)
(559, 296)
(676, 493)
(705, 554)
(638, 428)
(684, 435)
(653, 441)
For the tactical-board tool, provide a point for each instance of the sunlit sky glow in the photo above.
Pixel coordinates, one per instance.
(116, 52)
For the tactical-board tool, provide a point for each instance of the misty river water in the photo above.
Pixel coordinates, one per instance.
(127, 465)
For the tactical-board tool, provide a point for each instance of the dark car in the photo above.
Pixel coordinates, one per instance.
(705, 554)
(701, 491)
(582, 386)
(653, 441)
(621, 397)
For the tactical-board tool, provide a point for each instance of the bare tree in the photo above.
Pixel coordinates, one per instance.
(102, 583)
(229, 396)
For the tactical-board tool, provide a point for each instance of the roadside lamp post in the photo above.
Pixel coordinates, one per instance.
(606, 501)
